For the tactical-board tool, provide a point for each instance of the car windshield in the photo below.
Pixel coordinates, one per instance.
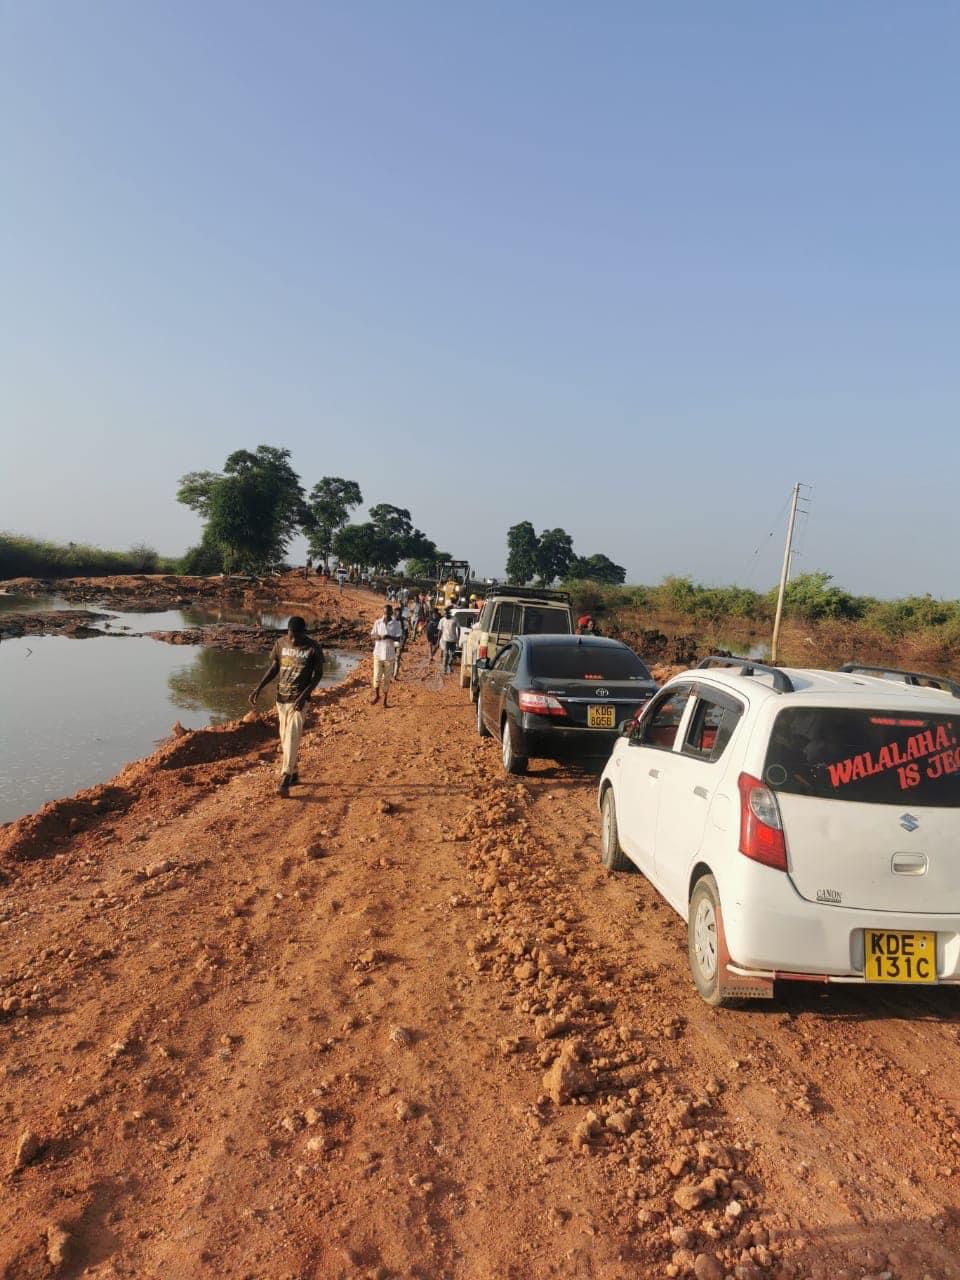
(465, 617)
(875, 757)
(538, 621)
(586, 662)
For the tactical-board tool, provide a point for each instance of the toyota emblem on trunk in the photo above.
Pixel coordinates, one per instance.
(602, 693)
(909, 822)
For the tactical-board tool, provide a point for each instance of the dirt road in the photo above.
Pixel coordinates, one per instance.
(402, 1025)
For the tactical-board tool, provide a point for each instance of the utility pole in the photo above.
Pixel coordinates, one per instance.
(784, 573)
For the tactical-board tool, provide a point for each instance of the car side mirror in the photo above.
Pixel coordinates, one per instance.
(483, 664)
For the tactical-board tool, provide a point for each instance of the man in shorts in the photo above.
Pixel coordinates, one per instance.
(298, 662)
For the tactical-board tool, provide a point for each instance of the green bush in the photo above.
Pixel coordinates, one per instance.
(23, 557)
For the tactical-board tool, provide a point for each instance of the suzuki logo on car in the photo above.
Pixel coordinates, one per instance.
(909, 822)
(602, 693)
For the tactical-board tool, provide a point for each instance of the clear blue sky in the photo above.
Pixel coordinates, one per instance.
(627, 268)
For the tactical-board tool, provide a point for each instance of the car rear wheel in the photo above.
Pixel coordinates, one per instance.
(611, 854)
(474, 689)
(464, 676)
(512, 763)
(482, 729)
(703, 940)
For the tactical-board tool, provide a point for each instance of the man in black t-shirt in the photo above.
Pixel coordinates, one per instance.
(297, 661)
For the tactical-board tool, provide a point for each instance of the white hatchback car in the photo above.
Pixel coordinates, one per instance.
(805, 824)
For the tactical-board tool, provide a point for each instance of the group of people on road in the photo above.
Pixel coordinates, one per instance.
(297, 661)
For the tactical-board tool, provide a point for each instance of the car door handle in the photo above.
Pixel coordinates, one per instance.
(702, 792)
(654, 773)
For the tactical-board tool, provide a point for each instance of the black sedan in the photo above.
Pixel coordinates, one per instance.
(557, 696)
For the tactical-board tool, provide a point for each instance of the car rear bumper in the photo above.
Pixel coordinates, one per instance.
(541, 737)
(772, 932)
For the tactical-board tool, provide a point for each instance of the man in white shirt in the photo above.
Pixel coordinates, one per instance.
(449, 632)
(387, 634)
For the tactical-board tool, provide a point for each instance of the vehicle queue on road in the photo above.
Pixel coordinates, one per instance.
(804, 823)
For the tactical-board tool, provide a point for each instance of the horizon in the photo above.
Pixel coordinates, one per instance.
(629, 272)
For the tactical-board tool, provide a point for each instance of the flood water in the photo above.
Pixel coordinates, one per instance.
(73, 712)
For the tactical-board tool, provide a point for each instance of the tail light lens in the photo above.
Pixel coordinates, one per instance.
(761, 827)
(540, 704)
(482, 651)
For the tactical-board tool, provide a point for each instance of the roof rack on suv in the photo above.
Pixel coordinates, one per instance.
(748, 667)
(532, 593)
(908, 677)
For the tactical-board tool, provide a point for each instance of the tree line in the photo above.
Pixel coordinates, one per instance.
(255, 506)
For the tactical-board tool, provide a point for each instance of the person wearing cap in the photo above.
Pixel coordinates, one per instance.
(586, 625)
(296, 662)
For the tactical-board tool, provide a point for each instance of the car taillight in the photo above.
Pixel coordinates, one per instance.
(540, 704)
(482, 651)
(761, 828)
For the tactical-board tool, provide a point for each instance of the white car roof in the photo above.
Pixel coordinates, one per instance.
(829, 689)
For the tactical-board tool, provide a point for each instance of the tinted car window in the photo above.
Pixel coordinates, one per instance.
(659, 727)
(506, 659)
(711, 727)
(869, 756)
(538, 621)
(586, 662)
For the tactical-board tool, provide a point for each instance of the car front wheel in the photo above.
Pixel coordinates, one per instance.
(703, 940)
(611, 854)
(512, 762)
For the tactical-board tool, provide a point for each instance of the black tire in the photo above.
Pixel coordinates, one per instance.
(703, 951)
(482, 729)
(611, 854)
(474, 689)
(464, 675)
(512, 763)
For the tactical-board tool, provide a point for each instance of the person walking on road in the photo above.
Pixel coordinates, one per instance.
(341, 577)
(387, 635)
(433, 633)
(449, 629)
(298, 662)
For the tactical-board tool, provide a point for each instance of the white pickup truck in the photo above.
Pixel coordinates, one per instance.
(513, 611)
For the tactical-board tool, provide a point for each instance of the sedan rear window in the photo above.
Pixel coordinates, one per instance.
(545, 622)
(876, 757)
(586, 662)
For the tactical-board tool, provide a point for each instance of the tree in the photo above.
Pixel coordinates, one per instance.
(327, 511)
(252, 509)
(554, 553)
(522, 547)
(597, 568)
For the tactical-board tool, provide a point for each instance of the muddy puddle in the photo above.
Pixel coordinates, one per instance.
(74, 712)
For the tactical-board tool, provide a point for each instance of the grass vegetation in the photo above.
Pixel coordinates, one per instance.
(823, 623)
(23, 557)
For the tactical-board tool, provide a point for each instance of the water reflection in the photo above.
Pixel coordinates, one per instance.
(73, 713)
(219, 681)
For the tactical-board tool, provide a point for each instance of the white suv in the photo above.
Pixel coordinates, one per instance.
(805, 824)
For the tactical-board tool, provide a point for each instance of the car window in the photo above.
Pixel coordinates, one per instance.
(506, 659)
(658, 728)
(573, 661)
(873, 757)
(711, 727)
(506, 619)
(539, 621)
